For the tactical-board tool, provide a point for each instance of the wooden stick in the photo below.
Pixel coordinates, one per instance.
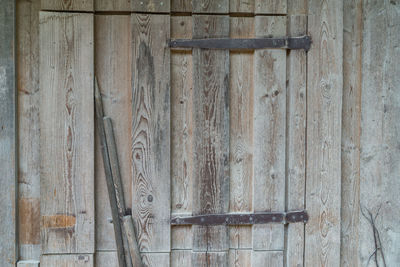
(109, 178)
(129, 237)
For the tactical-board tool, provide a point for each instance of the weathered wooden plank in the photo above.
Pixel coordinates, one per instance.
(269, 133)
(296, 135)
(271, 6)
(8, 136)
(380, 157)
(241, 132)
(28, 263)
(156, 259)
(67, 260)
(181, 258)
(181, 6)
(66, 128)
(267, 258)
(115, 5)
(156, 6)
(240, 257)
(241, 6)
(324, 107)
(105, 258)
(28, 124)
(131, 241)
(351, 129)
(151, 131)
(211, 140)
(67, 5)
(210, 6)
(113, 71)
(181, 135)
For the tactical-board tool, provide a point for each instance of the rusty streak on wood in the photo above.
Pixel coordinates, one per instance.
(58, 221)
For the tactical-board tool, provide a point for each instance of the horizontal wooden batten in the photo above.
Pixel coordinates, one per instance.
(302, 42)
(243, 218)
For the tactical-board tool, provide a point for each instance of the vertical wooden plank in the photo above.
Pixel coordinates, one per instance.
(241, 6)
(181, 258)
(113, 71)
(8, 158)
(241, 131)
(240, 257)
(269, 133)
(67, 5)
(67, 138)
(151, 131)
(380, 157)
(211, 6)
(211, 139)
(267, 258)
(67, 260)
(181, 134)
(324, 107)
(28, 125)
(156, 6)
(156, 259)
(181, 5)
(271, 6)
(296, 132)
(351, 129)
(115, 5)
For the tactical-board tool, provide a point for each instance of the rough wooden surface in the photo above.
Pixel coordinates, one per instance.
(181, 5)
(114, 5)
(269, 133)
(151, 132)
(210, 6)
(351, 129)
(131, 237)
(267, 258)
(271, 6)
(28, 263)
(67, 5)
(151, 6)
(296, 133)
(241, 6)
(241, 132)
(324, 107)
(380, 154)
(28, 125)
(8, 137)
(67, 260)
(67, 136)
(211, 140)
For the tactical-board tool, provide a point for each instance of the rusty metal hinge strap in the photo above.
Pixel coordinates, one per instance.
(301, 42)
(243, 218)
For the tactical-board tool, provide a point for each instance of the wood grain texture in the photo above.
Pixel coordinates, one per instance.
(240, 257)
(380, 110)
(296, 139)
(269, 133)
(67, 5)
(114, 5)
(271, 6)
(105, 258)
(181, 258)
(181, 136)
(241, 6)
(351, 130)
(113, 71)
(67, 136)
(151, 132)
(8, 137)
(67, 260)
(156, 259)
(241, 131)
(210, 6)
(158, 6)
(211, 140)
(324, 107)
(28, 124)
(267, 258)
(181, 6)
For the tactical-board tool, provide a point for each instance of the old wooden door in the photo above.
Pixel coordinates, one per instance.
(199, 131)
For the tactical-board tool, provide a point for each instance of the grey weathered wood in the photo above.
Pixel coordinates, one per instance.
(210, 6)
(114, 5)
(271, 6)
(66, 133)
(269, 133)
(267, 258)
(150, 6)
(324, 107)
(130, 235)
(67, 5)
(211, 140)
(296, 132)
(380, 124)
(28, 263)
(351, 130)
(67, 260)
(111, 188)
(27, 45)
(8, 141)
(241, 6)
(151, 134)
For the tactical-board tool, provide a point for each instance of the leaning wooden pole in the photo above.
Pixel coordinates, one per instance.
(127, 222)
(109, 178)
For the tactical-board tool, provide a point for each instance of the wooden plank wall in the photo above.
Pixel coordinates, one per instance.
(8, 137)
(335, 153)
